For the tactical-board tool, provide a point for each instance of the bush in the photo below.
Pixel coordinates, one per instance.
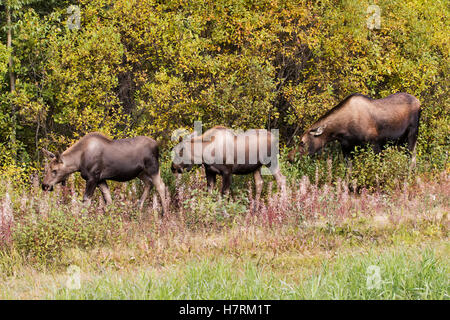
(320, 168)
(384, 171)
(434, 145)
(387, 170)
(149, 68)
(45, 237)
(211, 210)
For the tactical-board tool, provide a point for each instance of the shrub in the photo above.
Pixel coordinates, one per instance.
(434, 145)
(384, 171)
(212, 210)
(387, 170)
(45, 237)
(320, 168)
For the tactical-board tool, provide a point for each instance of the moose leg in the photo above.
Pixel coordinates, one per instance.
(103, 186)
(147, 186)
(412, 141)
(89, 191)
(210, 180)
(376, 147)
(347, 153)
(161, 188)
(280, 179)
(258, 186)
(226, 183)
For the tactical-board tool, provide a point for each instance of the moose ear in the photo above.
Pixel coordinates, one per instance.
(48, 154)
(58, 157)
(195, 134)
(318, 131)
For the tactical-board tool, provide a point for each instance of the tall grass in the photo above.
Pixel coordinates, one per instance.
(297, 243)
(409, 273)
(42, 225)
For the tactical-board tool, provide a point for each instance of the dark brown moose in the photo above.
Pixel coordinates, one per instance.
(99, 158)
(359, 120)
(223, 152)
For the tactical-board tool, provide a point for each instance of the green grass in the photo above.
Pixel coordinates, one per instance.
(406, 273)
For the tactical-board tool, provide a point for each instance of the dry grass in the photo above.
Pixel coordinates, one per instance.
(303, 227)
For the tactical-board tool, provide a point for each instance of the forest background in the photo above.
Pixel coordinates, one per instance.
(148, 67)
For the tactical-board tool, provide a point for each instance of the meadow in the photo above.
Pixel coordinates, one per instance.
(377, 229)
(319, 239)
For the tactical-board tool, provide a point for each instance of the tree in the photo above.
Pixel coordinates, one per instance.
(13, 12)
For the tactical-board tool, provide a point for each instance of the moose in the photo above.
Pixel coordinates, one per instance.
(99, 159)
(359, 120)
(222, 152)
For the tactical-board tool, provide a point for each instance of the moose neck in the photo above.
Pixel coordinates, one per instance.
(71, 160)
(196, 151)
(331, 126)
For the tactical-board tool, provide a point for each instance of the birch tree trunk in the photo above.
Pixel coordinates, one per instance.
(12, 79)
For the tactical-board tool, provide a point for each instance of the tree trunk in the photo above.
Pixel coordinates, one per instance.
(12, 80)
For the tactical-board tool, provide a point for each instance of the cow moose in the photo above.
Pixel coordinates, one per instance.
(359, 120)
(223, 152)
(99, 159)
